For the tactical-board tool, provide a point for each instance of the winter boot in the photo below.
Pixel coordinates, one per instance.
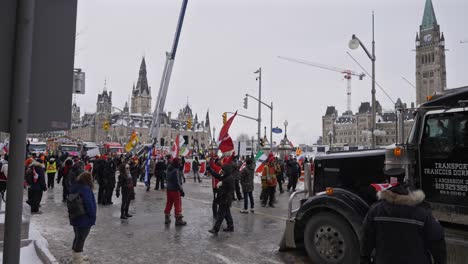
(78, 258)
(167, 219)
(122, 215)
(127, 214)
(179, 221)
(228, 229)
(213, 231)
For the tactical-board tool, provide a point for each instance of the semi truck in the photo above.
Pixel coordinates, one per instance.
(338, 191)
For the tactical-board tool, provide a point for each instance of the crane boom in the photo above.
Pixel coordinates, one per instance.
(347, 75)
(323, 66)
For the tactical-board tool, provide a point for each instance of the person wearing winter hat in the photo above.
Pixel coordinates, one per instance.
(224, 197)
(82, 223)
(63, 175)
(35, 180)
(174, 192)
(400, 228)
(270, 181)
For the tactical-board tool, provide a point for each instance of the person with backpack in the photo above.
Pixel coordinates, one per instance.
(82, 213)
(125, 184)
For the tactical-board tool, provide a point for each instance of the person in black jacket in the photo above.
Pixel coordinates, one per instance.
(174, 192)
(109, 175)
(401, 229)
(160, 173)
(293, 172)
(63, 175)
(128, 192)
(224, 198)
(36, 185)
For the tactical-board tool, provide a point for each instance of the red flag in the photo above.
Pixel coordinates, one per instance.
(225, 143)
(202, 167)
(175, 148)
(383, 186)
(187, 167)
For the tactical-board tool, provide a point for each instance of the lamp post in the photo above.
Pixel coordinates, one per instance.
(354, 43)
(259, 79)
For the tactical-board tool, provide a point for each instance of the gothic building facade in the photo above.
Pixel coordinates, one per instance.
(431, 76)
(108, 125)
(141, 94)
(351, 129)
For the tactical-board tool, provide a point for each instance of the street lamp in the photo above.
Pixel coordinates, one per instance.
(259, 79)
(285, 128)
(354, 43)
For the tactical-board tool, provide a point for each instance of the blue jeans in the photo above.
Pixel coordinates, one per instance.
(248, 196)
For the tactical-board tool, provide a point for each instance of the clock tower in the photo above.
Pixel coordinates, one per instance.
(431, 75)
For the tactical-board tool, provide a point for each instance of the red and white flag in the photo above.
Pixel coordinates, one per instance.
(383, 186)
(225, 143)
(175, 148)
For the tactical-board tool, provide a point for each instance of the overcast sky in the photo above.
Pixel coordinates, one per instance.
(223, 42)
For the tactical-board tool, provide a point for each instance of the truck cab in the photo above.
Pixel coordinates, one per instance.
(113, 147)
(434, 158)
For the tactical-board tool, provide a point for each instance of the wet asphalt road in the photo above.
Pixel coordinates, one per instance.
(145, 239)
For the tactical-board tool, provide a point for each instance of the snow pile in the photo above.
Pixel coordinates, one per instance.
(41, 243)
(28, 255)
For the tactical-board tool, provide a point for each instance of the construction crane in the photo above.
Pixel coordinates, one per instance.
(347, 75)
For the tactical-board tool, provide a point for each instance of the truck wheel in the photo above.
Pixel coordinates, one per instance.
(329, 239)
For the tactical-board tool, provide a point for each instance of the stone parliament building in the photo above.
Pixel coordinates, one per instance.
(353, 129)
(137, 117)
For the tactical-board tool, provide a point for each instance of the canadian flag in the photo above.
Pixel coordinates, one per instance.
(202, 167)
(383, 186)
(175, 148)
(225, 143)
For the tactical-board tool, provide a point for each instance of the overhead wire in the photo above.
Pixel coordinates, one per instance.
(381, 88)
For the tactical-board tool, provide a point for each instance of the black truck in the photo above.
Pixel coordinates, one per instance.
(434, 158)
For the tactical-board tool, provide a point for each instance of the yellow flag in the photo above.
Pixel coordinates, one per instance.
(298, 152)
(132, 142)
(106, 126)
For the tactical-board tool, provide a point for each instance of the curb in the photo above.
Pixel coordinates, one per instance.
(44, 254)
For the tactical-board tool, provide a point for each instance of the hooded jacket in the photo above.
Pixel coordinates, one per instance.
(40, 183)
(401, 229)
(89, 202)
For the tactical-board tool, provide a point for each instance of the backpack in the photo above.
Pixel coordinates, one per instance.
(75, 205)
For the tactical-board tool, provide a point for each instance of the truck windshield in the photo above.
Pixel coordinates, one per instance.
(69, 148)
(115, 150)
(34, 147)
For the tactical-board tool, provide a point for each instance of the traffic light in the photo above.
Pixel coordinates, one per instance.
(245, 102)
(189, 123)
(224, 118)
(262, 144)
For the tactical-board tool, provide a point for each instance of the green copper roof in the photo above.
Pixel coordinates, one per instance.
(429, 17)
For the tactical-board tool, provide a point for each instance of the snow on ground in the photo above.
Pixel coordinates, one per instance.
(28, 255)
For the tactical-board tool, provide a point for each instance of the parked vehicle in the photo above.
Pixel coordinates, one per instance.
(90, 149)
(112, 147)
(38, 148)
(434, 158)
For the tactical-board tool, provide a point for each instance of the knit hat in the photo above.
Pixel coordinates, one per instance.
(271, 157)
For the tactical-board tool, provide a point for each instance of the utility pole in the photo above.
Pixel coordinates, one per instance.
(259, 79)
(18, 128)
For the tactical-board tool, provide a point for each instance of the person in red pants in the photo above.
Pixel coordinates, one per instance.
(174, 192)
